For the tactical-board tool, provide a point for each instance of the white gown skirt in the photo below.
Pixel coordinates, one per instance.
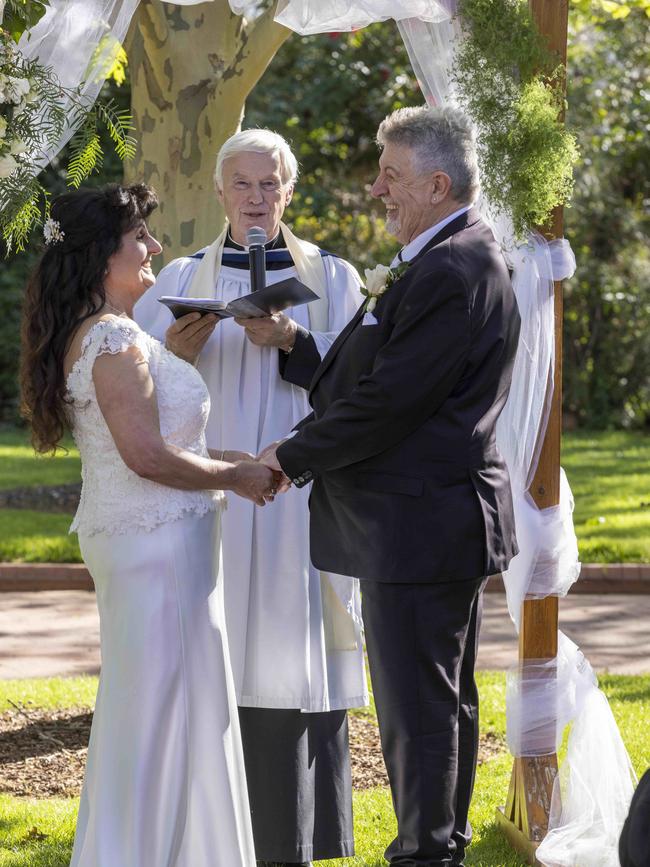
(165, 783)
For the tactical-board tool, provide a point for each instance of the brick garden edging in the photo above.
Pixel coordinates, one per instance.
(628, 578)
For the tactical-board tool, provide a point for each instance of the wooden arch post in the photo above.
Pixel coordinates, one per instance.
(524, 819)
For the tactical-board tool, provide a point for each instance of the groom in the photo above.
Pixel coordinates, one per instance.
(410, 492)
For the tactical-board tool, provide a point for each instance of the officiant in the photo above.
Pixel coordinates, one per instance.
(294, 632)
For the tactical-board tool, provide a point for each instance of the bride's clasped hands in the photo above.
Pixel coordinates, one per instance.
(248, 477)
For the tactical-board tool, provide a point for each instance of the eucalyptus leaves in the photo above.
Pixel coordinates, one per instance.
(513, 88)
(32, 119)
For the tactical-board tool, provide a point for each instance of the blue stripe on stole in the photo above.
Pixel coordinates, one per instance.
(279, 258)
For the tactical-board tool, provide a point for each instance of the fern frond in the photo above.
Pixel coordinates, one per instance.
(17, 221)
(118, 124)
(86, 155)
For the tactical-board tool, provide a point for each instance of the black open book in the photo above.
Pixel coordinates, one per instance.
(271, 299)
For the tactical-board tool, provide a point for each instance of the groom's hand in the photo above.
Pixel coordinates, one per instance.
(187, 336)
(269, 458)
(276, 330)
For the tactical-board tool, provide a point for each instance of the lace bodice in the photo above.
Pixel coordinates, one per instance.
(114, 499)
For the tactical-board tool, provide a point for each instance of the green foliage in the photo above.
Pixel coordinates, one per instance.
(12, 282)
(513, 89)
(542, 154)
(25, 194)
(15, 270)
(360, 238)
(20, 15)
(599, 11)
(607, 306)
(86, 154)
(31, 122)
(119, 124)
(112, 60)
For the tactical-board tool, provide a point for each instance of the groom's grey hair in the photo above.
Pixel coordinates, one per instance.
(258, 141)
(442, 139)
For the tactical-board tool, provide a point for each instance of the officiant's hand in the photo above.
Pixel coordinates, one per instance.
(187, 336)
(276, 330)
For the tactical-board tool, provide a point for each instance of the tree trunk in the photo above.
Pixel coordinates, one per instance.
(192, 68)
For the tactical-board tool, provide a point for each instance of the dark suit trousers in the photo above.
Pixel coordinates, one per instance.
(422, 641)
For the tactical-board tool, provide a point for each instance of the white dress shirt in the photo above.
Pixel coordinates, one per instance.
(413, 247)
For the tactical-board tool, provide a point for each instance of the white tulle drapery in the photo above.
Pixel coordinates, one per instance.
(79, 40)
(317, 16)
(592, 792)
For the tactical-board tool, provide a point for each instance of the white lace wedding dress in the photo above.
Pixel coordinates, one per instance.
(165, 784)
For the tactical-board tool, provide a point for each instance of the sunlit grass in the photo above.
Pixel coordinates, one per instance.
(21, 467)
(608, 473)
(36, 537)
(40, 833)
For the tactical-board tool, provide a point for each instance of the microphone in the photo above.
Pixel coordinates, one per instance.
(256, 238)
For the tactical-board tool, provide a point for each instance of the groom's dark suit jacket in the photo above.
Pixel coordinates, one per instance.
(408, 482)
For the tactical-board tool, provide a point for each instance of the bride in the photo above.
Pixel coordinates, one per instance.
(165, 776)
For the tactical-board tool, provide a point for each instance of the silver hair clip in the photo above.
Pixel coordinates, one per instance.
(52, 232)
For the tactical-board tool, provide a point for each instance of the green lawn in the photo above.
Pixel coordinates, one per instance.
(608, 473)
(27, 536)
(21, 467)
(36, 537)
(40, 833)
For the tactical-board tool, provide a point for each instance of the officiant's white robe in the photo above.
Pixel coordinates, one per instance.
(274, 603)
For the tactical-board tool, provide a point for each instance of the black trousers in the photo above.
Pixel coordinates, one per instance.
(299, 783)
(422, 641)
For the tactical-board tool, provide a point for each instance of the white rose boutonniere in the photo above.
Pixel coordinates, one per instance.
(378, 280)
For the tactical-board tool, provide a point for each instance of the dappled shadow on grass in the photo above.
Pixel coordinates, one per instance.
(7, 827)
(629, 689)
(492, 850)
(598, 532)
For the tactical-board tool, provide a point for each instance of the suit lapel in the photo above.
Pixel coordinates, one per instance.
(461, 222)
(338, 343)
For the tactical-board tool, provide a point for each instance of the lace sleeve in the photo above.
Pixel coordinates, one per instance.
(110, 336)
(115, 336)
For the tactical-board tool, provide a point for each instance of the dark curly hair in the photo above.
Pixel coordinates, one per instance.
(65, 289)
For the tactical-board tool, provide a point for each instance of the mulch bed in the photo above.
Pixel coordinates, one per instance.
(43, 753)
